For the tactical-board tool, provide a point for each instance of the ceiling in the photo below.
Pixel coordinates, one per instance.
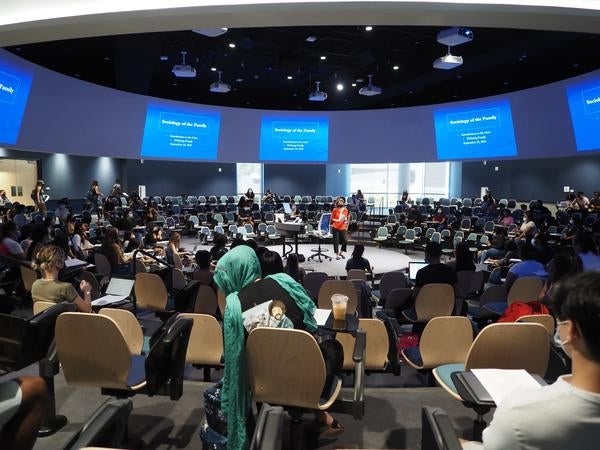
(263, 60)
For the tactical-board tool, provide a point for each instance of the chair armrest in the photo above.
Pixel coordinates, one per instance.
(360, 344)
(175, 330)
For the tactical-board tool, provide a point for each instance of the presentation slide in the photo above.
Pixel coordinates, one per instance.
(15, 84)
(483, 129)
(584, 104)
(294, 138)
(180, 132)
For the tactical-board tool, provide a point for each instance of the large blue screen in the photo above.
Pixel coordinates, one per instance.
(180, 132)
(584, 104)
(483, 129)
(15, 84)
(294, 138)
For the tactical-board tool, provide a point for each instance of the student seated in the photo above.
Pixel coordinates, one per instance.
(219, 248)
(463, 260)
(9, 245)
(435, 271)
(528, 267)
(586, 250)
(203, 274)
(111, 248)
(357, 261)
(50, 260)
(22, 402)
(565, 414)
(248, 282)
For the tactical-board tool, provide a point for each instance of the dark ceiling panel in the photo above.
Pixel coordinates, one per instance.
(495, 62)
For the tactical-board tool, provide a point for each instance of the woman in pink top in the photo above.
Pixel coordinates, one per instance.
(506, 218)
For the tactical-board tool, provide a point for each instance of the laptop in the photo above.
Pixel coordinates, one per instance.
(413, 268)
(287, 208)
(118, 290)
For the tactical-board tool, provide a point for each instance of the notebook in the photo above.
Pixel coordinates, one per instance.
(118, 290)
(414, 267)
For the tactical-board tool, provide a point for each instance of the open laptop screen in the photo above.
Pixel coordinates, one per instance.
(414, 267)
(120, 286)
(287, 208)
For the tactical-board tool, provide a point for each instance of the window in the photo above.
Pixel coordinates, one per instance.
(249, 175)
(384, 183)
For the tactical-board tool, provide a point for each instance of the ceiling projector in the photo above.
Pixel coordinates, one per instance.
(448, 62)
(317, 95)
(219, 86)
(183, 70)
(455, 36)
(370, 90)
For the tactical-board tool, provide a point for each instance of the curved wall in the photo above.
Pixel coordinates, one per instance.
(66, 115)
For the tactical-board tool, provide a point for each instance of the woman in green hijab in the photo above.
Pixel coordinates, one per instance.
(238, 275)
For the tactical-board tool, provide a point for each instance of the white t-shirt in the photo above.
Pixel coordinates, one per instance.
(13, 246)
(555, 417)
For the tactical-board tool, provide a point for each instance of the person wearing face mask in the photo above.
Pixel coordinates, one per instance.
(50, 260)
(565, 414)
(439, 219)
(339, 220)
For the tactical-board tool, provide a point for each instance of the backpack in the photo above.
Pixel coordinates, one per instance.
(407, 340)
(519, 309)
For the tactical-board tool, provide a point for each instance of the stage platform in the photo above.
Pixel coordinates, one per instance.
(382, 259)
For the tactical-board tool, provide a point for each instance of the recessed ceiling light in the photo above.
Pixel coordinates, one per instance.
(368, 28)
(311, 39)
(459, 76)
(256, 77)
(506, 83)
(174, 84)
(289, 77)
(411, 92)
(359, 80)
(106, 58)
(77, 75)
(353, 84)
(164, 58)
(396, 67)
(340, 87)
(239, 80)
(231, 45)
(575, 64)
(213, 69)
(323, 57)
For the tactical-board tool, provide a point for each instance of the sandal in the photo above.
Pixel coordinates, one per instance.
(331, 431)
(337, 257)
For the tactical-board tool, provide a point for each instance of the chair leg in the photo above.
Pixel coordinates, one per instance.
(296, 432)
(206, 371)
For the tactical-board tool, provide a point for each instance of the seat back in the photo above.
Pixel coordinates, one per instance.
(150, 292)
(165, 362)
(330, 287)
(356, 274)
(206, 340)
(206, 301)
(409, 235)
(77, 334)
(178, 279)
(377, 345)
(130, 328)
(525, 289)
(29, 276)
(511, 346)
(446, 340)
(38, 307)
(465, 280)
(285, 367)
(546, 320)
(433, 300)
(313, 282)
(494, 293)
(102, 264)
(396, 298)
(391, 280)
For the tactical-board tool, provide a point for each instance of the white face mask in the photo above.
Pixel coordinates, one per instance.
(565, 342)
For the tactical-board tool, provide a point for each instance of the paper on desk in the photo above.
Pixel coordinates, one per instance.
(321, 316)
(74, 262)
(108, 299)
(501, 382)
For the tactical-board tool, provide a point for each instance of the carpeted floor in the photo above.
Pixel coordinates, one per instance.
(392, 414)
